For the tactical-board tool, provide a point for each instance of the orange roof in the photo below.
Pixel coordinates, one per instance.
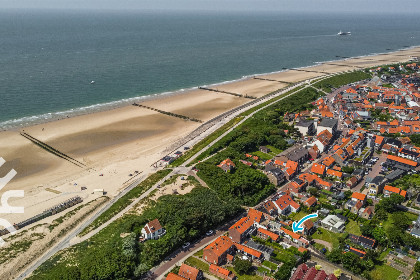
(328, 161)
(334, 173)
(302, 250)
(402, 160)
(220, 270)
(173, 276)
(227, 162)
(310, 201)
(254, 216)
(403, 193)
(379, 139)
(188, 272)
(338, 168)
(357, 250)
(307, 177)
(286, 200)
(291, 233)
(220, 245)
(272, 235)
(318, 168)
(392, 189)
(248, 250)
(358, 196)
(327, 114)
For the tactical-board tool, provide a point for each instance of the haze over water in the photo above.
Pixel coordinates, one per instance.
(49, 59)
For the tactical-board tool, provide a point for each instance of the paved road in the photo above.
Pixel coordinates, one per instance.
(65, 242)
(376, 168)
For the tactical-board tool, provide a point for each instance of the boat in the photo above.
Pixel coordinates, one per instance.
(341, 33)
(92, 82)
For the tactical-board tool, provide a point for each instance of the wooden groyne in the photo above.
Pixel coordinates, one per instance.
(311, 71)
(52, 150)
(168, 113)
(47, 213)
(227, 92)
(264, 79)
(343, 65)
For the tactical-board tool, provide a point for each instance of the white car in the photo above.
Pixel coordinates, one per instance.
(186, 245)
(210, 232)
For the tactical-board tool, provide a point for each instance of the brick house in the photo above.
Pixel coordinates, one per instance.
(221, 272)
(217, 251)
(190, 273)
(266, 234)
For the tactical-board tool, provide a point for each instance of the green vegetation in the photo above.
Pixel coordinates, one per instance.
(244, 277)
(408, 181)
(242, 266)
(384, 272)
(243, 186)
(194, 262)
(328, 236)
(415, 139)
(343, 79)
(115, 253)
(270, 265)
(353, 228)
(124, 201)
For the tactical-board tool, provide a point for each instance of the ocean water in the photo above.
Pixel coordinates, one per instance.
(49, 58)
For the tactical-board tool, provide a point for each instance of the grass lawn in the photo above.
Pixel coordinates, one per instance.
(192, 261)
(274, 150)
(385, 272)
(244, 277)
(384, 254)
(262, 155)
(328, 236)
(199, 253)
(271, 265)
(388, 222)
(353, 228)
(298, 216)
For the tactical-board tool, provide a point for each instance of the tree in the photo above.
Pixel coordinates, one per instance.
(335, 256)
(380, 236)
(242, 266)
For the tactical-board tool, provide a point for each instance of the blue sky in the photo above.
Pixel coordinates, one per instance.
(366, 6)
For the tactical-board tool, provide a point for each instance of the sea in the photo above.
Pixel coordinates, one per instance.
(57, 64)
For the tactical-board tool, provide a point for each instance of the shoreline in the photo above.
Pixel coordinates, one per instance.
(117, 142)
(28, 121)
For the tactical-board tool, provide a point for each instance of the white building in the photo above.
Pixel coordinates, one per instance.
(152, 230)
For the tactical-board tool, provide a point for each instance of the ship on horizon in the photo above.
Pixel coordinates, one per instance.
(341, 33)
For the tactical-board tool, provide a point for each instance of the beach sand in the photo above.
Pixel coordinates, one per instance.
(118, 142)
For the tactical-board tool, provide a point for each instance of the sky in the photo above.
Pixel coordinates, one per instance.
(369, 6)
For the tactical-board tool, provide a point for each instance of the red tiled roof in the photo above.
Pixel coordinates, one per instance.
(220, 245)
(402, 160)
(272, 235)
(328, 161)
(291, 233)
(379, 139)
(188, 272)
(254, 216)
(286, 200)
(173, 276)
(358, 196)
(219, 269)
(152, 226)
(227, 162)
(318, 168)
(334, 173)
(248, 250)
(310, 201)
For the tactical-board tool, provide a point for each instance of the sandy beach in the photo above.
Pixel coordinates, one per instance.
(118, 142)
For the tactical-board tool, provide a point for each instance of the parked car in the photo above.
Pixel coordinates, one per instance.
(210, 232)
(186, 245)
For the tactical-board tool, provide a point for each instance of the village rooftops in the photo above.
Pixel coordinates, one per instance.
(358, 196)
(328, 122)
(358, 252)
(402, 160)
